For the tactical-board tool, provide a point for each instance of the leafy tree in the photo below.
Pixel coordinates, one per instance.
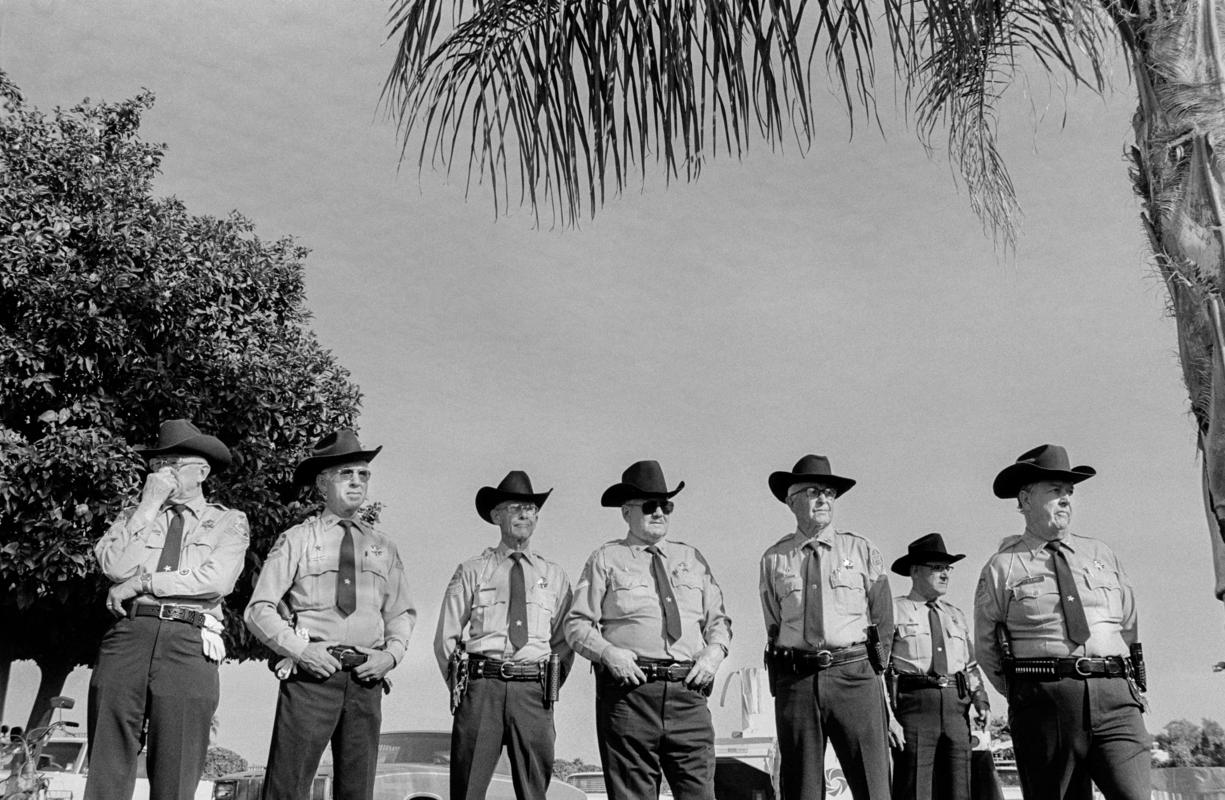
(1190, 745)
(575, 97)
(221, 761)
(118, 310)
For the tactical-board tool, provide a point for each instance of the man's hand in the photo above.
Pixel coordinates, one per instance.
(378, 664)
(705, 666)
(121, 592)
(897, 734)
(316, 659)
(623, 665)
(158, 488)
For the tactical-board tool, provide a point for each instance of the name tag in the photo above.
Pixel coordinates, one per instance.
(1029, 580)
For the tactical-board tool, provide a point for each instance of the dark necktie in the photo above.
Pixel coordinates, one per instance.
(814, 607)
(517, 616)
(173, 546)
(672, 615)
(346, 577)
(1069, 596)
(940, 656)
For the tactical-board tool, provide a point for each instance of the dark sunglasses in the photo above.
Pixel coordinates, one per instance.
(650, 506)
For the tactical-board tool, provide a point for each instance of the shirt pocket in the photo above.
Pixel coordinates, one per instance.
(789, 589)
(687, 586)
(629, 592)
(847, 585)
(1106, 588)
(914, 642)
(487, 610)
(315, 588)
(1028, 590)
(541, 601)
(957, 648)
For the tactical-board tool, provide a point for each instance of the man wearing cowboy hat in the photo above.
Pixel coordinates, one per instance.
(170, 559)
(345, 587)
(934, 678)
(512, 602)
(648, 613)
(821, 591)
(1054, 618)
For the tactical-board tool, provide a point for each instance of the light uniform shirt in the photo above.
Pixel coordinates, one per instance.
(912, 636)
(215, 540)
(1018, 588)
(855, 594)
(616, 603)
(478, 600)
(302, 568)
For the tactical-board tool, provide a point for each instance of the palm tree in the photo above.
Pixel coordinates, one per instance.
(576, 95)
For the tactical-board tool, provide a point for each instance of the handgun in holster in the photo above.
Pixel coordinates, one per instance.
(963, 684)
(1137, 672)
(550, 679)
(876, 653)
(768, 656)
(1005, 645)
(457, 677)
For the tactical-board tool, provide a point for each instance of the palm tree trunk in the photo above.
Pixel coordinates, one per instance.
(1177, 172)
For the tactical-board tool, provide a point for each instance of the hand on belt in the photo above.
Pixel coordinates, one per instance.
(504, 670)
(671, 671)
(348, 656)
(1084, 667)
(169, 611)
(804, 662)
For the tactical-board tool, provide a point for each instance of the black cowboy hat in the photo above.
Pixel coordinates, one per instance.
(181, 436)
(809, 469)
(515, 486)
(928, 549)
(340, 447)
(643, 480)
(1048, 462)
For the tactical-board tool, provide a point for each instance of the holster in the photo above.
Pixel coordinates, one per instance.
(768, 656)
(457, 677)
(1139, 673)
(1005, 645)
(963, 684)
(551, 680)
(876, 653)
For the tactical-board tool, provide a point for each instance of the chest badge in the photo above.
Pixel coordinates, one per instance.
(208, 523)
(1098, 564)
(375, 550)
(846, 563)
(316, 552)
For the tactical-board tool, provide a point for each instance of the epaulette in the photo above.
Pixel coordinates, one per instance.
(782, 539)
(1008, 541)
(218, 506)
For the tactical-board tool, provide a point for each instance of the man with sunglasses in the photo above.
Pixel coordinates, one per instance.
(934, 679)
(649, 614)
(342, 585)
(822, 590)
(504, 609)
(170, 559)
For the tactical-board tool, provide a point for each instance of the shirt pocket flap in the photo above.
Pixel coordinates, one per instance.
(1103, 578)
(624, 580)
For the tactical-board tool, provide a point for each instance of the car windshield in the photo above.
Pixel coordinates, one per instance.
(60, 756)
(415, 747)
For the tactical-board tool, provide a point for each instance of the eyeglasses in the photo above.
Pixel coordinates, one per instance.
(812, 492)
(349, 475)
(942, 568)
(649, 507)
(175, 463)
(515, 509)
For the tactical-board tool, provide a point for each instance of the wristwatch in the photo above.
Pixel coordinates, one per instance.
(146, 583)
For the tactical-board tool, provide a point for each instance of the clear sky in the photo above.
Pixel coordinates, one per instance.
(844, 303)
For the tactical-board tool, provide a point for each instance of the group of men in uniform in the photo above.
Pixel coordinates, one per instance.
(1055, 631)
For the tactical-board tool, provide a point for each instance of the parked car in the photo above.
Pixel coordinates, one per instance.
(63, 762)
(412, 765)
(592, 784)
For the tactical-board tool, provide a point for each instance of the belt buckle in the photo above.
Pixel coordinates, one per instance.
(824, 659)
(165, 611)
(942, 681)
(1085, 672)
(504, 668)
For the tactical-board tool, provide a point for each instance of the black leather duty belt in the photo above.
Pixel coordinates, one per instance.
(910, 683)
(670, 671)
(169, 611)
(479, 668)
(807, 662)
(1083, 668)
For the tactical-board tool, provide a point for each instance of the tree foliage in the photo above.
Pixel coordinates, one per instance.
(119, 309)
(1191, 745)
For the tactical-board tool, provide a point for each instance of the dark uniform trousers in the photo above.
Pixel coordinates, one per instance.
(935, 763)
(150, 668)
(655, 728)
(846, 705)
(1066, 732)
(497, 713)
(312, 711)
